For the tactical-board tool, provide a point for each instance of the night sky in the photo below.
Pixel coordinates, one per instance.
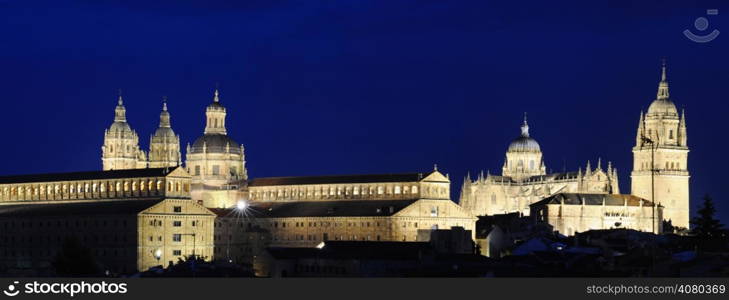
(348, 87)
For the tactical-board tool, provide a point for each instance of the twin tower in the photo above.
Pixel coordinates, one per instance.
(215, 161)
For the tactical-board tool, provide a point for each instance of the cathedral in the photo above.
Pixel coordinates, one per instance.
(215, 161)
(146, 208)
(660, 157)
(524, 181)
(659, 180)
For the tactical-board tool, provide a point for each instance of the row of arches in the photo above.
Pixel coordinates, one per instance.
(90, 189)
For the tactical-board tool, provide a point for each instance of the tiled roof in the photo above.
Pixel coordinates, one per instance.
(111, 174)
(333, 179)
(594, 199)
(79, 208)
(345, 208)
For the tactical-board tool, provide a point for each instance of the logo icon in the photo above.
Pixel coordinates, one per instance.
(12, 291)
(701, 24)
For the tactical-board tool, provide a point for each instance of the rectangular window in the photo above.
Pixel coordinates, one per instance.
(177, 223)
(177, 237)
(176, 252)
(197, 170)
(177, 209)
(216, 170)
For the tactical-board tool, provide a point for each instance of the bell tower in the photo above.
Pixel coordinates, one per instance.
(164, 146)
(121, 143)
(660, 157)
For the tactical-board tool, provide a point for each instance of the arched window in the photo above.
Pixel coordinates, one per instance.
(73, 188)
(95, 188)
(531, 164)
(177, 187)
(670, 134)
(380, 190)
(159, 185)
(86, 188)
(126, 186)
(151, 185)
(103, 187)
(142, 185)
(520, 164)
(118, 187)
(414, 189)
(134, 186)
(397, 189)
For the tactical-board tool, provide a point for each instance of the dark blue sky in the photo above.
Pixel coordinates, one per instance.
(339, 87)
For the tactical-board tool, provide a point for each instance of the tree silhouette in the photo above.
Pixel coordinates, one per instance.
(705, 225)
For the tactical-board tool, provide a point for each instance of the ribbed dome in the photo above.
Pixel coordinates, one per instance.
(120, 127)
(524, 143)
(663, 107)
(215, 143)
(164, 132)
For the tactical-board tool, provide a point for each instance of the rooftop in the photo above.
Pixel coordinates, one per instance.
(80, 208)
(594, 199)
(344, 208)
(333, 179)
(111, 174)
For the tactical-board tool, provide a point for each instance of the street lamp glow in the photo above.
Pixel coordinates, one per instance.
(241, 205)
(158, 253)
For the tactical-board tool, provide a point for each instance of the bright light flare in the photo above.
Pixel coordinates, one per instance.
(241, 205)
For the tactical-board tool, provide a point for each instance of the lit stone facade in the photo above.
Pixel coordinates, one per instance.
(309, 223)
(121, 144)
(305, 211)
(216, 162)
(570, 213)
(95, 186)
(660, 157)
(433, 185)
(164, 145)
(174, 228)
(121, 216)
(524, 181)
(397, 220)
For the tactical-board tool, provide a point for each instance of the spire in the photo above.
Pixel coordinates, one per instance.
(663, 85)
(525, 127)
(164, 116)
(435, 167)
(120, 112)
(216, 98)
(599, 164)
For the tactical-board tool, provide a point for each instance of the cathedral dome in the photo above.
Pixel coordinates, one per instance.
(215, 143)
(524, 143)
(120, 127)
(662, 107)
(164, 132)
(663, 104)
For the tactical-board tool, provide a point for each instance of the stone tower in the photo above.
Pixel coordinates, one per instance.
(121, 143)
(216, 162)
(524, 157)
(164, 146)
(660, 157)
